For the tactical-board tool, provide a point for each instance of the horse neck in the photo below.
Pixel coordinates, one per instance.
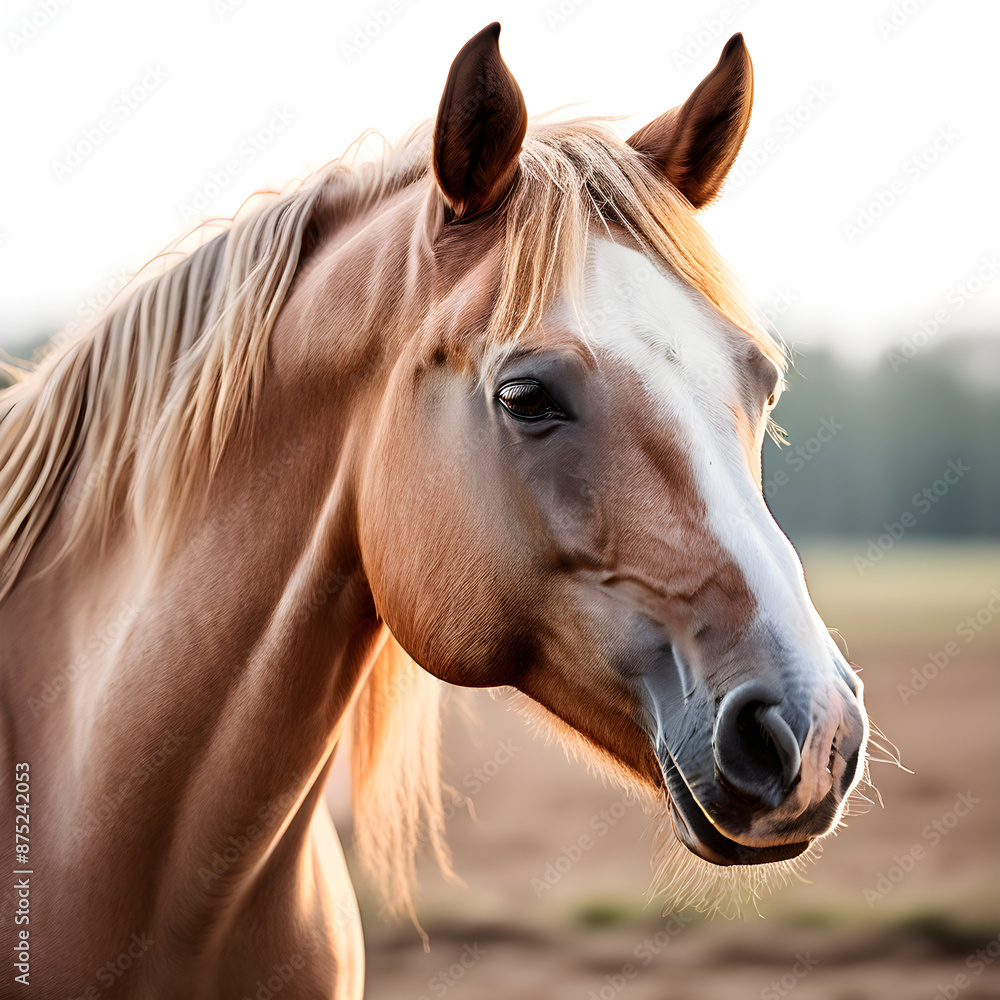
(225, 668)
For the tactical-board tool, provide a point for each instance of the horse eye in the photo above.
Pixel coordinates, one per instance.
(527, 400)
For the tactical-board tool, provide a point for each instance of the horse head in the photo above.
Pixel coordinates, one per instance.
(563, 490)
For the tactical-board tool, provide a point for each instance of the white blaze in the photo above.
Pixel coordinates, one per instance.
(683, 350)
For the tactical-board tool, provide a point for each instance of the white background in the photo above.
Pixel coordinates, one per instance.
(892, 73)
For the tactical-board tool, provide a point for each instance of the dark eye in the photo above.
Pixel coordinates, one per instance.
(525, 399)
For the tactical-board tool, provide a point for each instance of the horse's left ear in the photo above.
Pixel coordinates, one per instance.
(695, 144)
(480, 127)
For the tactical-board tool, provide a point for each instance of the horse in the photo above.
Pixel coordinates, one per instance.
(488, 413)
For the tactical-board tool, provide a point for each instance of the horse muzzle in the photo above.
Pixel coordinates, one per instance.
(756, 775)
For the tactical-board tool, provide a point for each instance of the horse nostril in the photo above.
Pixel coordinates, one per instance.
(756, 751)
(783, 740)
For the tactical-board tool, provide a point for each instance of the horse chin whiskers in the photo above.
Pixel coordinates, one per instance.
(681, 879)
(865, 794)
(578, 747)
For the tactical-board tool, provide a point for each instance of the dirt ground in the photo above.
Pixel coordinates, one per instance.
(902, 904)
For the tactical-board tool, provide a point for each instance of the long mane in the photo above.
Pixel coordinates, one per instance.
(149, 397)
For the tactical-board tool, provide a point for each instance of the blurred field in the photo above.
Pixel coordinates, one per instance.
(863, 928)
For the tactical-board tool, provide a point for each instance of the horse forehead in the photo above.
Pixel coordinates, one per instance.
(651, 319)
(697, 367)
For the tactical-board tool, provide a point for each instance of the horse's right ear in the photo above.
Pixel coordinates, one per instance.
(480, 127)
(695, 144)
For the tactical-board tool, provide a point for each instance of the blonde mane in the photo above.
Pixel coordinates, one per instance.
(150, 396)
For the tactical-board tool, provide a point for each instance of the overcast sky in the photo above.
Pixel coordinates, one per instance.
(864, 201)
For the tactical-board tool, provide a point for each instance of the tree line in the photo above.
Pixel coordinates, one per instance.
(913, 443)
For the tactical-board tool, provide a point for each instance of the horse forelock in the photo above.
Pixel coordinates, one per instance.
(576, 178)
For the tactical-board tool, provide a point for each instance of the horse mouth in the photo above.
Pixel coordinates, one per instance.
(698, 833)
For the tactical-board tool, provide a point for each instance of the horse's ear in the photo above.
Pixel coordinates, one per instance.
(695, 144)
(480, 127)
